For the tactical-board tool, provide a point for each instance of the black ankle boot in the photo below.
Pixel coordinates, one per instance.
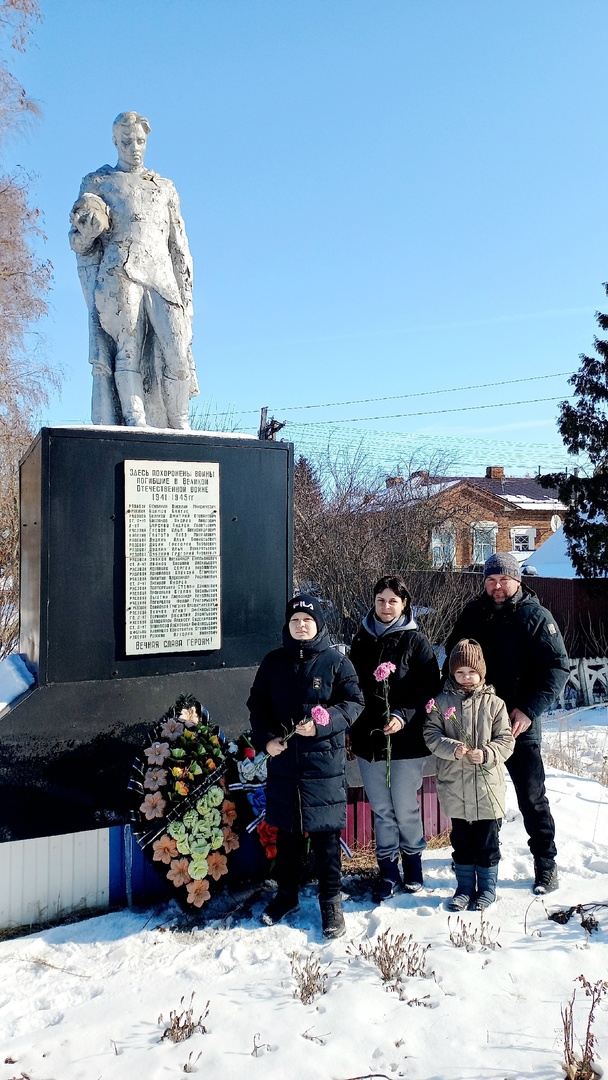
(388, 881)
(545, 876)
(412, 872)
(332, 918)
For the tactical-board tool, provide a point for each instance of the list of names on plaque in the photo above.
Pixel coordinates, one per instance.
(172, 554)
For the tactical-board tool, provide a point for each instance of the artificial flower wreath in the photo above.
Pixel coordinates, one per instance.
(185, 807)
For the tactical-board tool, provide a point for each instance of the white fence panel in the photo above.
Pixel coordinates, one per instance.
(51, 876)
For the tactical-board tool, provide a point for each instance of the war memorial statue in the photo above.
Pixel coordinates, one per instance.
(135, 269)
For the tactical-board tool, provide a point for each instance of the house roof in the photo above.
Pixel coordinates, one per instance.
(551, 559)
(523, 492)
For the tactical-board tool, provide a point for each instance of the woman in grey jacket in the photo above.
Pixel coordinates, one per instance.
(468, 730)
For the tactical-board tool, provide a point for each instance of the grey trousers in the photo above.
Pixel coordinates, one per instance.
(397, 816)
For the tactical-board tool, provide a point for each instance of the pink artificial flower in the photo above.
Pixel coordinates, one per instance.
(153, 806)
(157, 753)
(383, 671)
(320, 716)
(171, 729)
(164, 849)
(155, 778)
(198, 892)
(449, 713)
(430, 705)
(178, 873)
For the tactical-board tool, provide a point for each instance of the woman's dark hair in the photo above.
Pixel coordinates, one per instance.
(396, 584)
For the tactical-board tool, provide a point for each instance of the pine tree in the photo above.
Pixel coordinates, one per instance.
(583, 426)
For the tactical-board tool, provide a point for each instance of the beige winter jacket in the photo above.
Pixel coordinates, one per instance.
(467, 791)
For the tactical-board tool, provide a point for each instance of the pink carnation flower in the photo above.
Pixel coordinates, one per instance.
(383, 671)
(320, 716)
(449, 713)
(430, 705)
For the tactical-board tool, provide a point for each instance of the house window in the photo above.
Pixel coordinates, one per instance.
(523, 539)
(484, 540)
(443, 548)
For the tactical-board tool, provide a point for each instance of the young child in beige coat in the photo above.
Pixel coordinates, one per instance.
(468, 730)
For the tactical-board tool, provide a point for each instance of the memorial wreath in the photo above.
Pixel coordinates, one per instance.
(196, 794)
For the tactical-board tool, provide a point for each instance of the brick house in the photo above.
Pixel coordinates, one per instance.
(488, 514)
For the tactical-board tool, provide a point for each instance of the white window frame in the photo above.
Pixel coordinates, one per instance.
(443, 547)
(531, 534)
(491, 529)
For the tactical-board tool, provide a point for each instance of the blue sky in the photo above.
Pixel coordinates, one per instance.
(383, 198)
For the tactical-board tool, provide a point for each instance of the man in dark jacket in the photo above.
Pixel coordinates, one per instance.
(527, 665)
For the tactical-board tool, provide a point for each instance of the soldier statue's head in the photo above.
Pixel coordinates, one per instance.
(129, 134)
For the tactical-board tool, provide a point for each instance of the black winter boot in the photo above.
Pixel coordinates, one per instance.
(487, 877)
(545, 876)
(279, 907)
(332, 918)
(465, 890)
(388, 881)
(412, 872)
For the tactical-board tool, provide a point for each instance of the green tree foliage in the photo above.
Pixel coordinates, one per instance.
(583, 426)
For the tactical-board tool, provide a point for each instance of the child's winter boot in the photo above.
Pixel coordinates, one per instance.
(412, 872)
(465, 887)
(279, 907)
(388, 881)
(332, 918)
(486, 887)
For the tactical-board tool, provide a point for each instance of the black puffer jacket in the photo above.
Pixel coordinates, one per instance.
(306, 787)
(524, 651)
(415, 680)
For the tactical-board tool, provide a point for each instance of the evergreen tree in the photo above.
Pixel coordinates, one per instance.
(583, 426)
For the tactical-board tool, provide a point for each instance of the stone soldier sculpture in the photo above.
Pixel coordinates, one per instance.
(135, 270)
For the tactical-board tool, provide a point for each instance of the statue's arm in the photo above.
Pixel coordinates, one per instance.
(180, 251)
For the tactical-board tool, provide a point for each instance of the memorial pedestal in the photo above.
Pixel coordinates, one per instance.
(152, 564)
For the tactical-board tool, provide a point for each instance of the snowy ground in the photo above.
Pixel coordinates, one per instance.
(82, 1001)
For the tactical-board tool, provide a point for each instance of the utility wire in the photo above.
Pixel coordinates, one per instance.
(425, 393)
(399, 397)
(435, 412)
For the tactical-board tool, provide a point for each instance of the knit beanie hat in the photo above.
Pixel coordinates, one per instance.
(308, 604)
(502, 563)
(467, 653)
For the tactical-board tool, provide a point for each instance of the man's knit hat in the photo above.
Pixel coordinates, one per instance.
(502, 563)
(467, 653)
(308, 604)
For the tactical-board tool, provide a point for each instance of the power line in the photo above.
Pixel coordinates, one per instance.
(422, 393)
(435, 412)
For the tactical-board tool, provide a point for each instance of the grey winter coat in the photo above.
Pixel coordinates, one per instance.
(467, 791)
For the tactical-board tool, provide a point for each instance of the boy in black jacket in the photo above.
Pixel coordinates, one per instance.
(303, 699)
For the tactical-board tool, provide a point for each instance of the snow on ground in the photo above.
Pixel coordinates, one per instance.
(82, 1001)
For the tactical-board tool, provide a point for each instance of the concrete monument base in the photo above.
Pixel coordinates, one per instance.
(66, 746)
